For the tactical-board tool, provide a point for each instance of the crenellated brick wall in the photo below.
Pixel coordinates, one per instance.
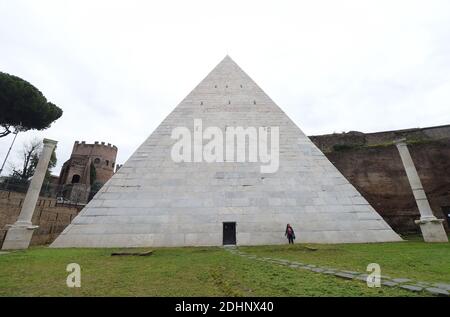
(378, 174)
(327, 142)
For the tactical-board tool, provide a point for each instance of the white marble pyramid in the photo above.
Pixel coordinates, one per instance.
(154, 201)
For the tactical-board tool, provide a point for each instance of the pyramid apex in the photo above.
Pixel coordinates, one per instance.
(227, 57)
(227, 60)
(229, 66)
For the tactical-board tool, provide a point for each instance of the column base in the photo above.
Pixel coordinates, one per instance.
(432, 229)
(18, 237)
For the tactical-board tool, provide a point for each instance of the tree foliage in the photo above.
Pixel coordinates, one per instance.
(93, 173)
(95, 187)
(23, 107)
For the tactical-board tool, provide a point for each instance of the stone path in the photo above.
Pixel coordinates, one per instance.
(438, 289)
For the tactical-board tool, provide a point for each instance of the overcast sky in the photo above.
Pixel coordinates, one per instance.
(117, 68)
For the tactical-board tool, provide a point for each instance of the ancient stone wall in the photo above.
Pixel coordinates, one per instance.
(378, 174)
(337, 141)
(50, 217)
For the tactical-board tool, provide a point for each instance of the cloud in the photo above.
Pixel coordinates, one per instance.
(118, 68)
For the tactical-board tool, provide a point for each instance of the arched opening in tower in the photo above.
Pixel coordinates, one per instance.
(76, 179)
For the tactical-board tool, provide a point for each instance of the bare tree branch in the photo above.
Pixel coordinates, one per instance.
(6, 131)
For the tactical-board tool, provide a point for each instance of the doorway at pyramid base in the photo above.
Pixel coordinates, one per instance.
(223, 235)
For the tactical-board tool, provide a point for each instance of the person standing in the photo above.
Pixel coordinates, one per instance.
(290, 234)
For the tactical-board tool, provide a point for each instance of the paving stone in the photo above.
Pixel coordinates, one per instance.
(3, 252)
(345, 275)
(443, 286)
(388, 283)
(298, 263)
(294, 266)
(401, 280)
(362, 277)
(424, 284)
(317, 269)
(352, 272)
(413, 288)
(437, 291)
(328, 272)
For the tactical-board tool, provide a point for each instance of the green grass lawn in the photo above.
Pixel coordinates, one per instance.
(216, 272)
(413, 258)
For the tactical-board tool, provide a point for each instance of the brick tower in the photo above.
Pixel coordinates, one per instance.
(89, 167)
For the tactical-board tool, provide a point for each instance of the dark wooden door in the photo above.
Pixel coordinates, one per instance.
(229, 233)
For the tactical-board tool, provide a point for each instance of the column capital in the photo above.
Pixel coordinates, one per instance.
(401, 141)
(49, 142)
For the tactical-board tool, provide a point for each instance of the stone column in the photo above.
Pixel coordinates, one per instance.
(431, 227)
(20, 233)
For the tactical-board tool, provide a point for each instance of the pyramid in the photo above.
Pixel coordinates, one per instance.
(154, 200)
